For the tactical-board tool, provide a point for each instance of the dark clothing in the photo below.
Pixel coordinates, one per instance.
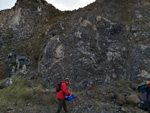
(62, 103)
(147, 103)
(146, 98)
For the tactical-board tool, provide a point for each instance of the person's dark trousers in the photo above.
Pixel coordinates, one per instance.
(62, 103)
(147, 103)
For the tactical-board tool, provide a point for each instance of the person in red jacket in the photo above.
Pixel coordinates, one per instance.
(61, 96)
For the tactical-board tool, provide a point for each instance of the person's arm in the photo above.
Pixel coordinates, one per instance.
(64, 89)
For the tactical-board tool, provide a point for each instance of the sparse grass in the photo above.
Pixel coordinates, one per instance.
(122, 84)
(2, 71)
(116, 87)
(21, 94)
(18, 92)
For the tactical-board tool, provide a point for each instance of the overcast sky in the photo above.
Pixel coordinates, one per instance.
(60, 4)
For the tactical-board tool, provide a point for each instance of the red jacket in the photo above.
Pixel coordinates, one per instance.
(61, 94)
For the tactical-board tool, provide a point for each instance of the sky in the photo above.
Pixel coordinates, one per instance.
(59, 4)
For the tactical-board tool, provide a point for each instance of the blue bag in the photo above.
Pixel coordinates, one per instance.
(69, 98)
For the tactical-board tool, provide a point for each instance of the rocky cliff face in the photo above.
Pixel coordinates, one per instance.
(99, 43)
(26, 17)
(17, 27)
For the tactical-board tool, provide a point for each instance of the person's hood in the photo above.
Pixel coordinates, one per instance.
(64, 82)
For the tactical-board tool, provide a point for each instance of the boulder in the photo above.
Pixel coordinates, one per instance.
(133, 99)
(121, 100)
(6, 83)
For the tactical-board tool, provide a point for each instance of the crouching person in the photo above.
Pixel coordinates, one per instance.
(144, 88)
(61, 92)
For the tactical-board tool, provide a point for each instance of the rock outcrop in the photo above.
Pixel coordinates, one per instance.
(99, 43)
(102, 42)
(27, 17)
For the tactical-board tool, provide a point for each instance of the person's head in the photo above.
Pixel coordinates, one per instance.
(67, 80)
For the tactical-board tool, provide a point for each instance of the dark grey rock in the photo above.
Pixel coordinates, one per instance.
(6, 83)
(31, 85)
(8, 109)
